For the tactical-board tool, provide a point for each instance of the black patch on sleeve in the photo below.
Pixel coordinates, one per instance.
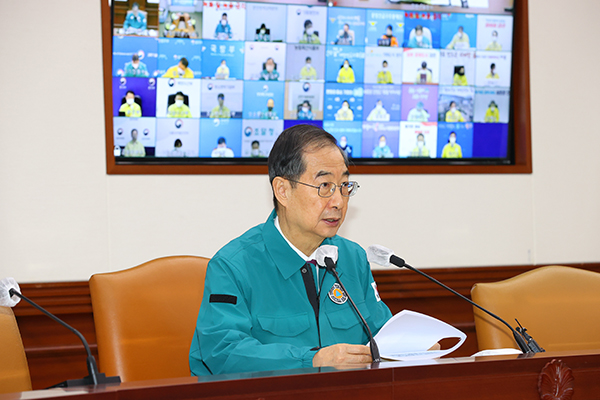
(223, 298)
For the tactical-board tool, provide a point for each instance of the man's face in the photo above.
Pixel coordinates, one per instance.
(346, 28)
(270, 103)
(270, 63)
(255, 146)
(180, 65)
(134, 134)
(135, 11)
(388, 32)
(221, 101)
(179, 98)
(307, 213)
(129, 96)
(419, 33)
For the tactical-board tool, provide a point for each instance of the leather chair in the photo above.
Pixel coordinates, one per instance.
(557, 305)
(145, 317)
(14, 371)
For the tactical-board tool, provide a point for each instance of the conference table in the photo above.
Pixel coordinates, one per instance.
(556, 375)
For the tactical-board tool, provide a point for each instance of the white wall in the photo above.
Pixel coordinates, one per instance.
(62, 218)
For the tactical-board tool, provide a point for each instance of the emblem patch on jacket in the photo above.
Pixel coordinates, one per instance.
(337, 295)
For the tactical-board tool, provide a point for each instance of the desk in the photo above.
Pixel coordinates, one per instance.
(498, 377)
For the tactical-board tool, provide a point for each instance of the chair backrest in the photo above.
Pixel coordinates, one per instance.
(145, 317)
(559, 306)
(14, 371)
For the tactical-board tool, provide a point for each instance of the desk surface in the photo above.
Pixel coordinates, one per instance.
(493, 377)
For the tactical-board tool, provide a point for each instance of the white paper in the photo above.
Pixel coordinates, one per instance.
(408, 335)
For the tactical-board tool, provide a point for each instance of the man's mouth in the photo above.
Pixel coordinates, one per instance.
(332, 221)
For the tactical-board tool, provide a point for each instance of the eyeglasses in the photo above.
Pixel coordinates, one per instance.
(327, 189)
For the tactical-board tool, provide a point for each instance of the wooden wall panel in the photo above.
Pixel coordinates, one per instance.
(55, 354)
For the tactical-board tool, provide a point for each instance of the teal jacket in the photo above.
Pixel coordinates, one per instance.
(256, 316)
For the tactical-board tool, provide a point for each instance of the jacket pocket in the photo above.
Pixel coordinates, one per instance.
(346, 317)
(288, 326)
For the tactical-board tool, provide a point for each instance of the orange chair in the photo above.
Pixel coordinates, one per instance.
(558, 305)
(145, 317)
(14, 371)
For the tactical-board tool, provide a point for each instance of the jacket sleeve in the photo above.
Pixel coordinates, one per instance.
(223, 341)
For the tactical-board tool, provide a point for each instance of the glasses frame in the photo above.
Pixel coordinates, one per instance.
(334, 188)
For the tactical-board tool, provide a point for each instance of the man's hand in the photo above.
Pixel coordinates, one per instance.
(346, 355)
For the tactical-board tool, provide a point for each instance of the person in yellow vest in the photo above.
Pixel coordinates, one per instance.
(308, 72)
(492, 74)
(179, 109)
(460, 79)
(494, 45)
(222, 71)
(492, 114)
(309, 35)
(421, 150)
(345, 113)
(346, 73)
(452, 149)
(220, 111)
(180, 70)
(453, 114)
(424, 74)
(460, 40)
(384, 76)
(130, 108)
(134, 148)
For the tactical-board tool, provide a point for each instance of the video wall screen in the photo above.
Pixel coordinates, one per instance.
(395, 83)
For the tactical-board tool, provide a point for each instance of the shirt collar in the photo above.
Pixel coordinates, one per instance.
(301, 254)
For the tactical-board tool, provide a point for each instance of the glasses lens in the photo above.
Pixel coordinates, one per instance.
(349, 188)
(326, 189)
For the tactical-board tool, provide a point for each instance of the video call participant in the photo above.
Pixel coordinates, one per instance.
(424, 74)
(418, 114)
(345, 36)
(452, 149)
(221, 110)
(421, 150)
(460, 79)
(180, 70)
(494, 45)
(308, 72)
(305, 112)
(384, 76)
(179, 109)
(492, 114)
(460, 40)
(135, 21)
(135, 68)
(343, 144)
(221, 150)
(256, 152)
(134, 148)
(453, 114)
(419, 40)
(270, 112)
(130, 107)
(269, 72)
(177, 152)
(222, 71)
(223, 29)
(388, 39)
(345, 113)
(309, 35)
(346, 73)
(382, 150)
(378, 113)
(492, 74)
(262, 34)
(255, 314)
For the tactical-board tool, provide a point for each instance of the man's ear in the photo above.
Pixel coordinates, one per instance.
(281, 190)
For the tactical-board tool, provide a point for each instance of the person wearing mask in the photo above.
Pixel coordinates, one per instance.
(460, 79)
(222, 151)
(223, 30)
(492, 114)
(345, 36)
(256, 152)
(382, 150)
(269, 72)
(418, 114)
(452, 149)
(305, 112)
(177, 149)
(134, 148)
(346, 73)
(130, 107)
(420, 150)
(424, 74)
(378, 114)
(384, 76)
(135, 21)
(388, 39)
(309, 35)
(492, 74)
(180, 70)
(262, 34)
(222, 71)
(221, 110)
(453, 114)
(308, 72)
(419, 40)
(494, 45)
(460, 40)
(270, 112)
(345, 113)
(346, 148)
(135, 68)
(179, 109)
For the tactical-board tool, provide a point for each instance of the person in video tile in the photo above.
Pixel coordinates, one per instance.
(223, 29)
(130, 107)
(134, 148)
(220, 111)
(135, 68)
(180, 70)
(179, 109)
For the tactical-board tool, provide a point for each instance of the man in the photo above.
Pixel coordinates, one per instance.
(130, 108)
(382, 150)
(256, 152)
(345, 36)
(222, 71)
(419, 40)
(343, 144)
(453, 114)
(135, 68)
(309, 35)
(180, 70)
(494, 45)
(378, 113)
(270, 112)
(388, 39)
(308, 72)
(305, 112)
(179, 109)
(221, 150)
(460, 40)
(269, 72)
(345, 113)
(418, 114)
(421, 150)
(424, 74)
(220, 111)
(256, 314)
(134, 148)
(223, 29)
(384, 76)
(135, 21)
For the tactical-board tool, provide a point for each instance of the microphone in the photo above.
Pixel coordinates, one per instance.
(384, 256)
(10, 295)
(327, 256)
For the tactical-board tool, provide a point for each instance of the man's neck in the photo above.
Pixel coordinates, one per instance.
(306, 245)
